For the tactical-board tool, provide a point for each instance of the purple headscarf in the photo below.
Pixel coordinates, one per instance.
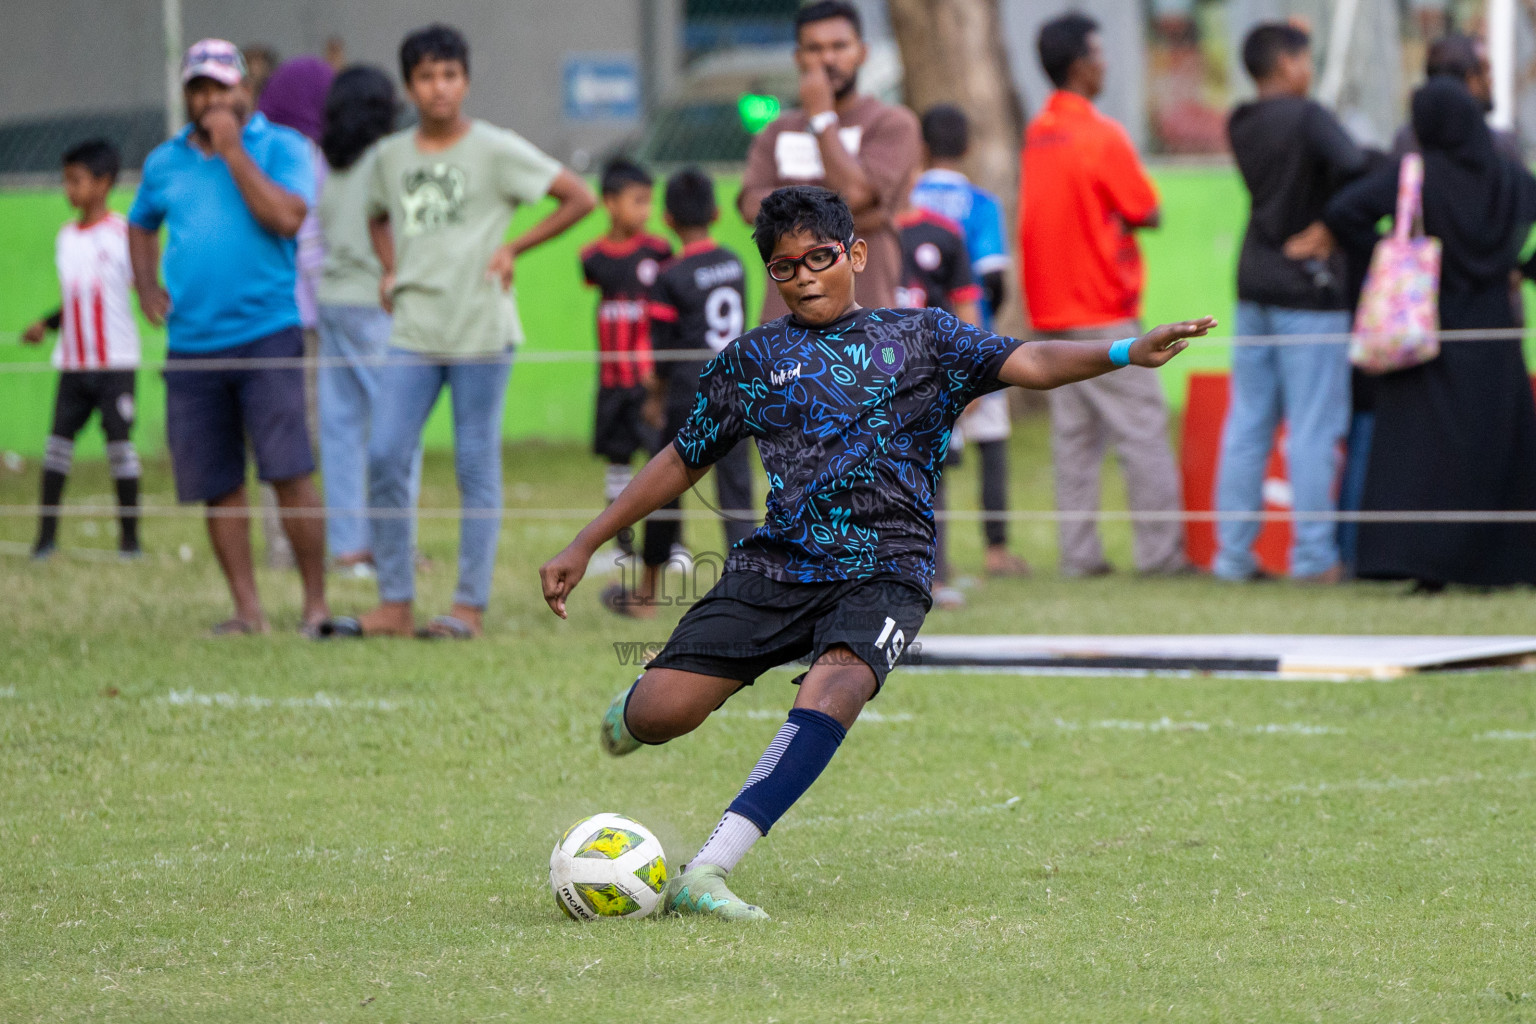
(295, 95)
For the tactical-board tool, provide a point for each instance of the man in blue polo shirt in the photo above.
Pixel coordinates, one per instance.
(231, 191)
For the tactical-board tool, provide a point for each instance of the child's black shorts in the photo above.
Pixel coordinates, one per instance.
(748, 623)
(621, 430)
(82, 392)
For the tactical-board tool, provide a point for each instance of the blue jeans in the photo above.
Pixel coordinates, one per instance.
(348, 396)
(408, 388)
(1307, 386)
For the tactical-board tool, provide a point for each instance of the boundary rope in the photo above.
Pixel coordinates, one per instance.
(518, 358)
(755, 515)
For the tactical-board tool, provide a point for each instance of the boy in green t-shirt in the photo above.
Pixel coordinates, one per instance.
(440, 202)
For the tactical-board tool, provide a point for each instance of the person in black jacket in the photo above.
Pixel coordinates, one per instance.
(1293, 155)
(1459, 432)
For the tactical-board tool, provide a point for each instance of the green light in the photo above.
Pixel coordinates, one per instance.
(757, 112)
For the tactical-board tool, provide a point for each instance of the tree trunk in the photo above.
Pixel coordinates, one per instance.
(952, 52)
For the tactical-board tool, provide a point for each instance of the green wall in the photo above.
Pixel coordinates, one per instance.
(1190, 266)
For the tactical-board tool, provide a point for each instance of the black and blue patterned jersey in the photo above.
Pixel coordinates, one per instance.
(852, 421)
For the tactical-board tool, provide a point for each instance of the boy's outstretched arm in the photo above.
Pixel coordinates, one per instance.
(1047, 364)
(661, 481)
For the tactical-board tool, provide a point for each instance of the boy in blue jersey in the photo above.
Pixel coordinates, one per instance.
(852, 410)
(944, 189)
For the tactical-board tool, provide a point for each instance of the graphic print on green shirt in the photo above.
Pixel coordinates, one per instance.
(433, 198)
(449, 211)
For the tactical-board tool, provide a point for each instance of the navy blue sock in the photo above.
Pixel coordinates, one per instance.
(797, 755)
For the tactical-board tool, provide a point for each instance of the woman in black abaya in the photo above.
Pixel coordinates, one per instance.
(1459, 432)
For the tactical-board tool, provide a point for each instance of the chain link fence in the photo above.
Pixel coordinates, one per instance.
(35, 145)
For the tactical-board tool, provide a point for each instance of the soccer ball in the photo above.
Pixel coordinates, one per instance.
(607, 867)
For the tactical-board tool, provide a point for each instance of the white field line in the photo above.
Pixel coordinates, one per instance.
(1296, 729)
(1166, 724)
(1505, 734)
(1052, 671)
(191, 698)
(7, 691)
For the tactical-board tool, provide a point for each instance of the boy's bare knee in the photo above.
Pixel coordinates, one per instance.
(646, 719)
(667, 704)
(653, 714)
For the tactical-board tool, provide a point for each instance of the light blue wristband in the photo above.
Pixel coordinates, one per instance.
(1120, 352)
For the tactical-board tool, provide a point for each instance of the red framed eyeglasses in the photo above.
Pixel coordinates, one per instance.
(816, 259)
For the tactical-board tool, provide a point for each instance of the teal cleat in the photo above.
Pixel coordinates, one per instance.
(613, 735)
(702, 890)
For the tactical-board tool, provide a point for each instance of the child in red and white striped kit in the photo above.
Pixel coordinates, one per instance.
(98, 349)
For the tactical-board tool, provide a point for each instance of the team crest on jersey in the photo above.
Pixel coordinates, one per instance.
(646, 272)
(888, 355)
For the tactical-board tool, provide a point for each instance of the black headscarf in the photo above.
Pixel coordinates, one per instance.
(1479, 204)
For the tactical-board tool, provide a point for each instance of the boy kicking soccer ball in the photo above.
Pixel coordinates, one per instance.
(852, 410)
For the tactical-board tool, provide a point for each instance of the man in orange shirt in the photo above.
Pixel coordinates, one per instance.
(1083, 193)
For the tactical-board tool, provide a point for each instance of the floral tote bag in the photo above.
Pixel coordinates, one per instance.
(1397, 324)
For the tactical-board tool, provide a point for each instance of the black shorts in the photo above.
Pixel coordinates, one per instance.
(82, 392)
(621, 430)
(748, 624)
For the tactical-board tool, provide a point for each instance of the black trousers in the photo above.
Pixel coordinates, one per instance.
(994, 501)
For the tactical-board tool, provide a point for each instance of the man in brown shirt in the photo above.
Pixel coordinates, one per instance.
(865, 150)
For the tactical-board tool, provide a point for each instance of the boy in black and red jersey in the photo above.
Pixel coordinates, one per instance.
(698, 304)
(936, 271)
(98, 349)
(935, 267)
(622, 266)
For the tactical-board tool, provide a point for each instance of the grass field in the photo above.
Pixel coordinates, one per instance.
(1190, 265)
(268, 829)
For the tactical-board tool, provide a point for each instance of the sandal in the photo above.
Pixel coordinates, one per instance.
(336, 627)
(1007, 565)
(620, 601)
(447, 627)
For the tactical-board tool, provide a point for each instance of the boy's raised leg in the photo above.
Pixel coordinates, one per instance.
(663, 704)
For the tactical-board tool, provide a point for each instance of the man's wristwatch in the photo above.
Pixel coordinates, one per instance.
(822, 121)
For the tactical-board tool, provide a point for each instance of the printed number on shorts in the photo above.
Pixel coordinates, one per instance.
(898, 642)
(723, 313)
